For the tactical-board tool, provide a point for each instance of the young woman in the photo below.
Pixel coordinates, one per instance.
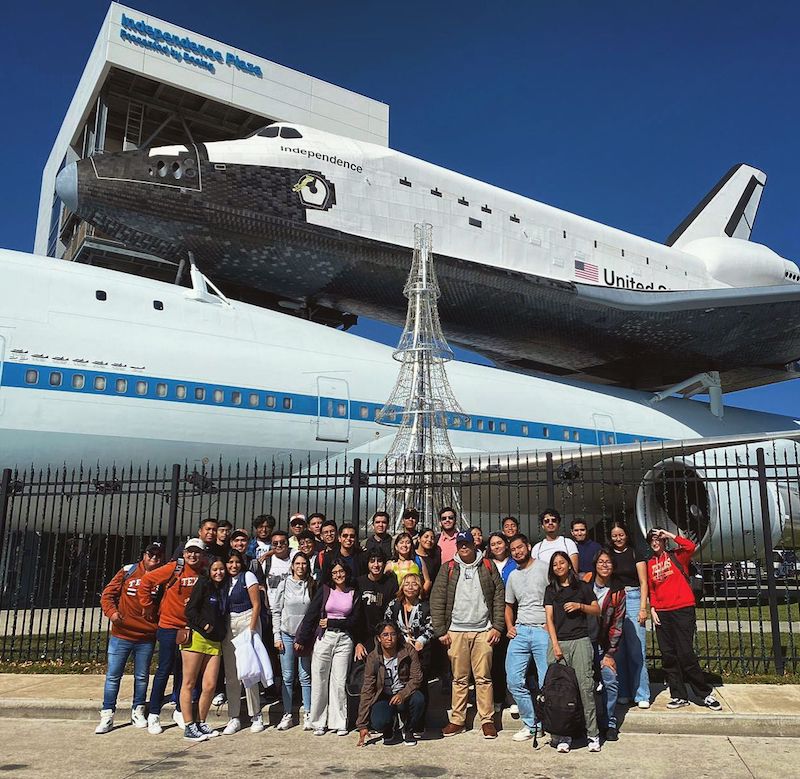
(413, 617)
(243, 608)
(672, 609)
(404, 562)
(498, 551)
(289, 606)
(606, 634)
(567, 604)
(630, 571)
(334, 617)
(429, 555)
(477, 535)
(205, 616)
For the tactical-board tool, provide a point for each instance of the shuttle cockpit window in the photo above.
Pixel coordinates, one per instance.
(290, 132)
(275, 130)
(269, 132)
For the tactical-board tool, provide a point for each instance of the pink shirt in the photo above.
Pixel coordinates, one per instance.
(448, 546)
(339, 604)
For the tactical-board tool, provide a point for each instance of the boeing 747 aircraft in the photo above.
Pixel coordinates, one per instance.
(322, 220)
(97, 365)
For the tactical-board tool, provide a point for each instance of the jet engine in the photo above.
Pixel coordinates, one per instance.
(713, 497)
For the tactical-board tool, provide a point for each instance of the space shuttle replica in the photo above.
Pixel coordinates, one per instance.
(318, 219)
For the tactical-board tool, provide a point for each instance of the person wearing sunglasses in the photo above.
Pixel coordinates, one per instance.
(553, 541)
(447, 537)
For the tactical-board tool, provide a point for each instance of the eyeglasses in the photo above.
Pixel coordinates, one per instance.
(338, 573)
(388, 635)
(348, 535)
(279, 543)
(449, 516)
(549, 521)
(604, 563)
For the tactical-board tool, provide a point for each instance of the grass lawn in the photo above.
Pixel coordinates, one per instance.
(787, 612)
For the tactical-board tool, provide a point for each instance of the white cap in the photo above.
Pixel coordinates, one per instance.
(196, 543)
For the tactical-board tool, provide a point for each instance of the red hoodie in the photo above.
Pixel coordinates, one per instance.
(121, 595)
(172, 612)
(669, 589)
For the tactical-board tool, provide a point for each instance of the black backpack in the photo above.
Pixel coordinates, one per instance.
(558, 705)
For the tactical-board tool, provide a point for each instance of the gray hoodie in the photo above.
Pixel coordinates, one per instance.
(469, 607)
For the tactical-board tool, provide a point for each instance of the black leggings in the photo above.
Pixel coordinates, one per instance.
(676, 641)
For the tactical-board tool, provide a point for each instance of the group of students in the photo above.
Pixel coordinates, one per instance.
(387, 616)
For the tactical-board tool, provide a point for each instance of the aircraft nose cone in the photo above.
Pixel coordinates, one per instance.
(67, 186)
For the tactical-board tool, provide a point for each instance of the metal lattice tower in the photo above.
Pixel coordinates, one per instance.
(420, 461)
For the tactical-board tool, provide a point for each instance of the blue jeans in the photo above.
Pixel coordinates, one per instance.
(288, 657)
(168, 661)
(607, 712)
(529, 642)
(119, 650)
(634, 681)
(382, 714)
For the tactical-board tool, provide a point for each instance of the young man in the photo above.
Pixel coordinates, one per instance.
(467, 612)
(328, 534)
(509, 527)
(349, 552)
(550, 522)
(376, 589)
(224, 530)
(131, 634)
(239, 541)
(527, 630)
(297, 524)
(380, 538)
(177, 579)
(447, 538)
(315, 521)
(408, 523)
(276, 564)
(207, 533)
(263, 525)
(392, 680)
(587, 548)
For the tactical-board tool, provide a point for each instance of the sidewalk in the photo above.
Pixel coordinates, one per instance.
(747, 709)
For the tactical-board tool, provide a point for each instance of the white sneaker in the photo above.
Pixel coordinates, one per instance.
(256, 724)
(594, 744)
(319, 731)
(137, 717)
(106, 722)
(233, 726)
(177, 718)
(564, 745)
(285, 723)
(643, 704)
(218, 699)
(523, 734)
(513, 710)
(342, 732)
(307, 721)
(154, 725)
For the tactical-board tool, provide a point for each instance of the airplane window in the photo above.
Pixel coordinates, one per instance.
(479, 424)
(219, 396)
(253, 399)
(161, 390)
(491, 426)
(270, 401)
(576, 436)
(364, 412)
(121, 385)
(100, 383)
(524, 430)
(158, 305)
(236, 398)
(31, 377)
(502, 427)
(199, 393)
(566, 435)
(546, 432)
(100, 294)
(269, 132)
(456, 421)
(287, 403)
(141, 387)
(180, 392)
(290, 132)
(341, 409)
(78, 381)
(55, 378)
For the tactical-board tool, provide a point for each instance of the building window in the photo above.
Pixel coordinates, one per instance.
(475, 222)
(287, 404)
(199, 393)
(100, 294)
(161, 390)
(253, 399)
(121, 385)
(31, 376)
(219, 396)
(158, 305)
(180, 392)
(236, 398)
(100, 383)
(270, 401)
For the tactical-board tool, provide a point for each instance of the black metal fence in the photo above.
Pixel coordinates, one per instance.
(65, 531)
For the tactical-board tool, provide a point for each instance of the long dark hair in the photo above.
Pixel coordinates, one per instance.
(348, 574)
(572, 579)
(619, 524)
(497, 534)
(311, 585)
(412, 551)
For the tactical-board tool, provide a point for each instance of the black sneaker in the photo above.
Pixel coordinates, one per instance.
(677, 703)
(193, 733)
(409, 740)
(209, 731)
(710, 702)
(393, 740)
(612, 734)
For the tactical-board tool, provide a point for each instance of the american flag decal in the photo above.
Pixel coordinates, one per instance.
(585, 270)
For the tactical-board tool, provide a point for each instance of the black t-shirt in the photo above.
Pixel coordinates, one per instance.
(573, 625)
(625, 573)
(376, 596)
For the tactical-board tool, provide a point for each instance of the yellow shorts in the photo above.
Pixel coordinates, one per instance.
(202, 645)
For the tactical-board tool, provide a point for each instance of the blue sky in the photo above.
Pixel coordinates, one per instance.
(626, 113)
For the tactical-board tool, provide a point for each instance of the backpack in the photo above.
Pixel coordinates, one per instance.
(129, 569)
(176, 574)
(693, 577)
(558, 704)
(487, 564)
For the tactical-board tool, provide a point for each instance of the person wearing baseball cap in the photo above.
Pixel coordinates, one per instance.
(468, 615)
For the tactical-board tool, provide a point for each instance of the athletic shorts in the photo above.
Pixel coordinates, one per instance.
(202, 645)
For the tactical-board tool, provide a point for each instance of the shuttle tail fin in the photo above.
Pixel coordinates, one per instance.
(728, 209)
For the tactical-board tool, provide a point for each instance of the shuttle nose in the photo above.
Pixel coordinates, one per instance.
(67, 186)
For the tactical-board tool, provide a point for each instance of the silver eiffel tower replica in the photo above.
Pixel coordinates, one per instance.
(420, 468)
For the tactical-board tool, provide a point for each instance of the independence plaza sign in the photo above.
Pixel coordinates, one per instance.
(182, 48)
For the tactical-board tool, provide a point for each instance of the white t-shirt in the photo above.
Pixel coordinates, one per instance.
(279, 570)
(545, 548)
(249, 581)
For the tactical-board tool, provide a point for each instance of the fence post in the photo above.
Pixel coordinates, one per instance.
(766, 527)
(355, 483)
(551, 481)
(5, 495)
(172, 522)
